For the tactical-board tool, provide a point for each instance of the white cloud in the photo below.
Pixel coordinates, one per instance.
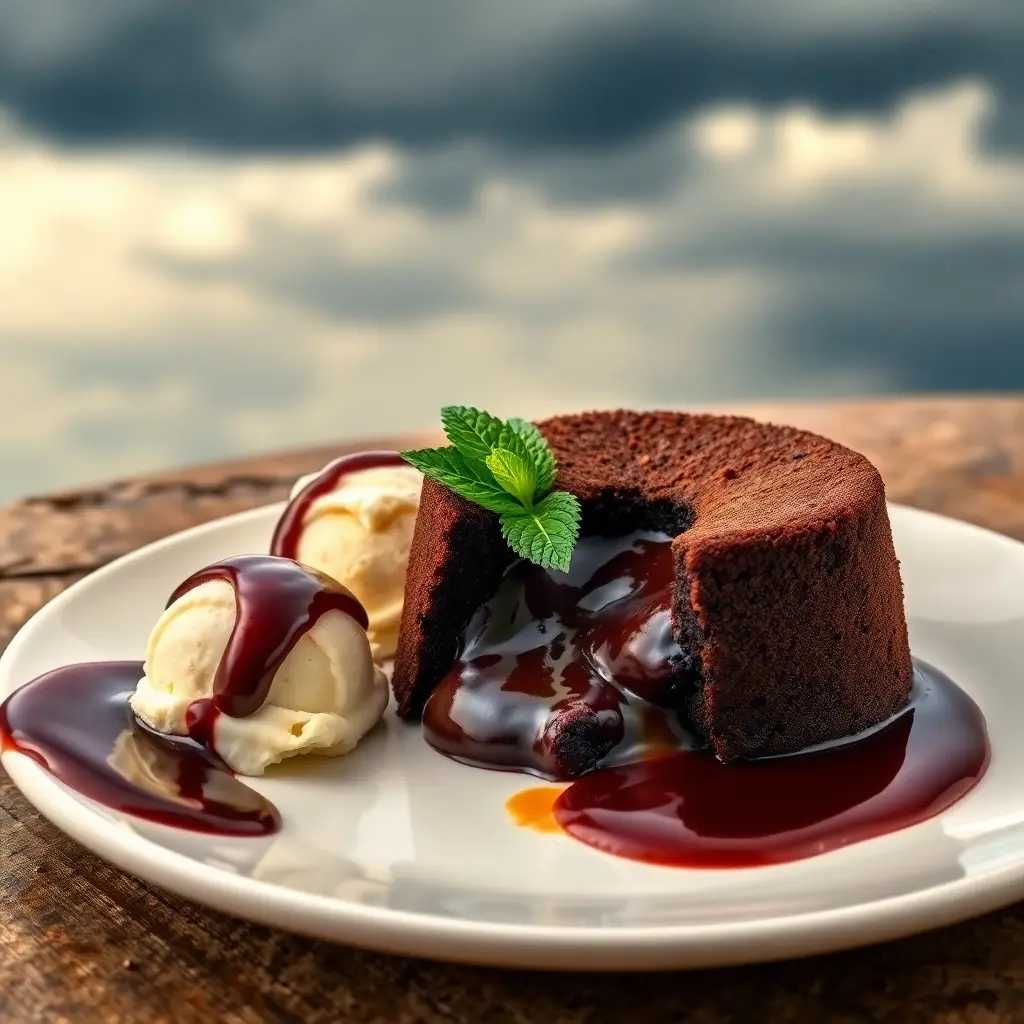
(923, 169)
(160, 307)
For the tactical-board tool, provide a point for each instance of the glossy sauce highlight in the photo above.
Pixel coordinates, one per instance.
(558, 674)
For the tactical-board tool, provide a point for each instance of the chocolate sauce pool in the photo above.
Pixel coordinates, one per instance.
(688, 809)
(76, 722)
(560, 675)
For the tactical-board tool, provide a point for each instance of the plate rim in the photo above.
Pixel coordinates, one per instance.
(518, 945)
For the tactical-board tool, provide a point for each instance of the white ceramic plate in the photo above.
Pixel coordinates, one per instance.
(400, 849)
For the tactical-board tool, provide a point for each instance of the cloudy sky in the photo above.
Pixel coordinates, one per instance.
(232, 225)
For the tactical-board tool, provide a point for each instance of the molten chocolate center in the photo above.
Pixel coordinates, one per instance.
(561, 673)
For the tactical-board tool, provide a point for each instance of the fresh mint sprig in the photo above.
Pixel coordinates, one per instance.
(506, 467)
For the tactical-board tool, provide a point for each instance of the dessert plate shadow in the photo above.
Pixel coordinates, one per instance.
(399, 849)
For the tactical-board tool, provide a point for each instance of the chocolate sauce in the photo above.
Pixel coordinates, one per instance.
(76, 722)
(688, 809)
(285, 541)
(576, 677)
(277, 600)
(562, 673)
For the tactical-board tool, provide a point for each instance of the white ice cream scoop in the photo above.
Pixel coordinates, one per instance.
(325, 696)
(360, 533)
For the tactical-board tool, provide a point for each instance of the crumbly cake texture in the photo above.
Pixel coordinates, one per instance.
(788, 603)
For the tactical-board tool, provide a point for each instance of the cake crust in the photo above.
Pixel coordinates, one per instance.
(788, 597)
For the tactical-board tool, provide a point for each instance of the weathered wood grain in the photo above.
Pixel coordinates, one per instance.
(80, 941)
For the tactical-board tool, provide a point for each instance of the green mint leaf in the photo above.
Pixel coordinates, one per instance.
(476, 434)
(546, 534)
(540, 451)
(507, 468)
(467, 477)
(514, 473)
(510, 441)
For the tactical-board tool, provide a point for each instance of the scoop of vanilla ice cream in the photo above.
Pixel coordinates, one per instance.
(360, 534)
(326, 695)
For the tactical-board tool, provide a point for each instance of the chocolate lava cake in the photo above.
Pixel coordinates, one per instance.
(788, 604)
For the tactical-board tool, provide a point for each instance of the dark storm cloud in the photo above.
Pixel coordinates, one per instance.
(445, 179)
(940, 315)
(259, 73)
(944, 318)
(937, 313)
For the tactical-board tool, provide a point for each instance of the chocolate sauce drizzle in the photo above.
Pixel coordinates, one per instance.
(77, 723)
(288, 531)
(277, 600)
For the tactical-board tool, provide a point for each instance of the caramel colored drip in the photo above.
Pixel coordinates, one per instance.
(534, 808)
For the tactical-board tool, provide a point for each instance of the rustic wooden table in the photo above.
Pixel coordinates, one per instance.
(81, 942)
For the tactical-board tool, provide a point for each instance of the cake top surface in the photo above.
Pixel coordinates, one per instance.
(724, 473)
